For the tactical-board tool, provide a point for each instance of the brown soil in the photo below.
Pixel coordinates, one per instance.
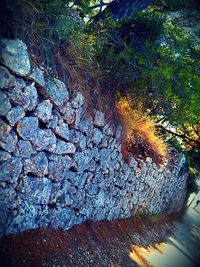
(91, 244)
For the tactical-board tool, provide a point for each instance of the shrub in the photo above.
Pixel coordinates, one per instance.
(140, 132)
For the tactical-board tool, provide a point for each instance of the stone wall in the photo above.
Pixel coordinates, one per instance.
(59, 167)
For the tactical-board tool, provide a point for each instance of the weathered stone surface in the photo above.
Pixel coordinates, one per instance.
(37, 190)
(6, 79)
(82, 161)
(78, 100)
(25, 149)
(68, 113)
(5, 105)
(97, 136)
(83, 122)
(99, 119)
(37, 76)
(8, 139)
(25, 96)
(45, 140)
(58, 167)
(4, 155)
(76, 179)
(62, 147)
(108, 130)
(10, 170)
(62, 219)
(44, 111)
(78, 139)
(62, 131)
(15, 114)
(38, 165)
(13, 54)
(56, 91)
(24, 219)
(42, 186)
(27, 128)
(105, 157)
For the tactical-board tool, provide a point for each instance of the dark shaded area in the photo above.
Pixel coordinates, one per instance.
(90, 244)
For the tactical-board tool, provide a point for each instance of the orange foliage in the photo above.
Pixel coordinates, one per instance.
(140, 131)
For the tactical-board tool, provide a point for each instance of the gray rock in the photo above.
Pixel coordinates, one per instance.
(27, 128)
(6, 79)
(45, 140)
(66, 200)
(62, 131)
(38, 165)
(76, 179)
(108, 130)
(37, 76)
(56, 193)
(5, 105)
(78, 100)
(93, 189)
(10, 170)
(83, 122)
(4, 155)
(37, 190)
(25, 96)
(62, 217)
(3, 224)
(44, 111)
(8, 139)
(78, 139)
(68, 113)
(8, 198)
(118, 133)
(97, 136)
(100, 199)
(99, 119)
(81, 161)
(24, 219)
(56, 91)
(58, 167)
(25, 149)
(13, 54)
(104, 158)
(15, 114)
(62, 147)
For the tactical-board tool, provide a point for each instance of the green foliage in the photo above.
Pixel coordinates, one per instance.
(155, 61)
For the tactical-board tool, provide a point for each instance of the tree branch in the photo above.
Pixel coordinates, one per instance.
(98, 6)
(182, 136)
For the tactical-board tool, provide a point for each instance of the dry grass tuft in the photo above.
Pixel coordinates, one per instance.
(141, 135)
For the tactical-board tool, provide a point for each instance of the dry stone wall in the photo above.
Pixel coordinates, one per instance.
(59, 167)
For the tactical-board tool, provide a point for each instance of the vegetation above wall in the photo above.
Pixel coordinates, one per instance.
(146, 57)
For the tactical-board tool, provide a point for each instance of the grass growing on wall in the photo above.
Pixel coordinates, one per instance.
(141, 131)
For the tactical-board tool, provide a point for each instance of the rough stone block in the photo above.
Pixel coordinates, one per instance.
(38, 164)
(24, 95)
(58, 167)
(44, 111)
(56, 91)
(27, 128)
(5, 105)
(99, 119)
(25, 149)
(10, 170)
(13, 54)
(37, 76)
(15, 114)
(78, 100)
(6, 79)
(37, 190)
